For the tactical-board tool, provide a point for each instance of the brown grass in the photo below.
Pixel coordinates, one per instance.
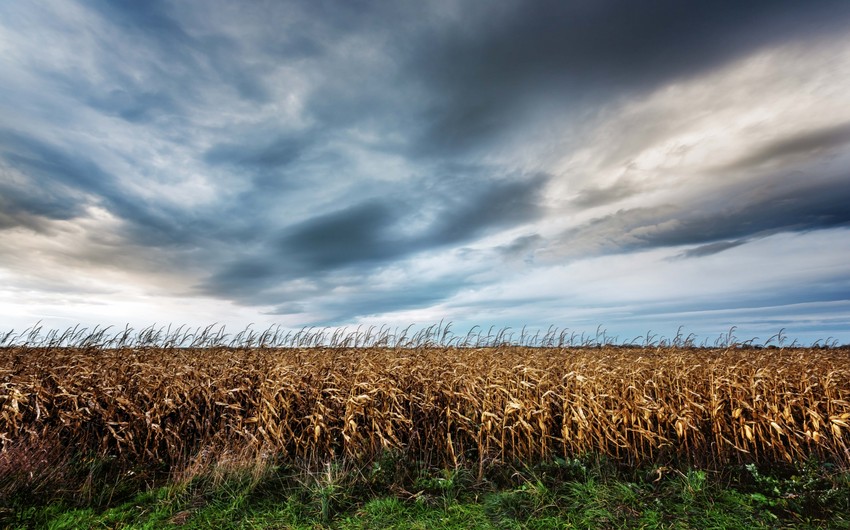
(443, 406)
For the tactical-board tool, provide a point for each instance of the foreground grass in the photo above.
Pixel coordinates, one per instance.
(557, 494)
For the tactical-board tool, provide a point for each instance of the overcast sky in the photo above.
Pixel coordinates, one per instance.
(635, 165)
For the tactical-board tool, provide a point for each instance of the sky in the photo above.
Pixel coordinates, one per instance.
(632, 165)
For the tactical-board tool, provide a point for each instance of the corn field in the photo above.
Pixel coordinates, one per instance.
(446, 406)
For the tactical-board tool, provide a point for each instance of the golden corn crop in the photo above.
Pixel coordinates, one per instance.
(446, 406)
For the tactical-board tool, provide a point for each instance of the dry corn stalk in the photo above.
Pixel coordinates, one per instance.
(446, 405)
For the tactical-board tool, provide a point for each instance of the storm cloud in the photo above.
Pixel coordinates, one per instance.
(797, 205)
(379, 231)
(328, 163)
(507, 58)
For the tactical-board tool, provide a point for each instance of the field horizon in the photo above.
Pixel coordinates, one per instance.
(361, 336)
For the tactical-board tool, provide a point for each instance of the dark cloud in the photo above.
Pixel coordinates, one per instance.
(367, 236)
(349, 236)
(60, 184)
(796, 204)
(133, 106)
(711, 248)
(28, 206)
(54, 184)
(796, 208)
(246, 278)
(804, 144)
(260, 153)
(361, 301)
(499, 205)
(505, 58)
(333, 298)
(22, 210)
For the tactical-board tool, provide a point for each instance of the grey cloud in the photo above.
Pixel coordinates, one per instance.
(797, 208)
(29, 206)
(366, 236)
(296, 45)
(521, 245)
(508, 57)
(293, 308)
(501, 205)
(595, 196)
(133, 106)
(711, 248)
(171, 75)
(37, 158)
(352, 235)
(792, 205)
(145, 17)
(49, 182)
(806, 143)
(365, 298)
(337, 298)
(260, 154)
(368, 231)
(61, 184)
(245, 279)
(57, 185)
(20, 209)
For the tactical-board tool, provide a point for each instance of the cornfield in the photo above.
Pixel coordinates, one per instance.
(447, 406)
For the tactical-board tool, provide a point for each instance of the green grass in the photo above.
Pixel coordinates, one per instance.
(585, 493)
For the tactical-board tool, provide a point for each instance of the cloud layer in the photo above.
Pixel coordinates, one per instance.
(330, 163)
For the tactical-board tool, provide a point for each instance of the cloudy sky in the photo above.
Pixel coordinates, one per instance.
(635, 165)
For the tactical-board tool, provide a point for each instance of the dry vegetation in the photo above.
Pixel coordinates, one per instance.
(443, 406)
